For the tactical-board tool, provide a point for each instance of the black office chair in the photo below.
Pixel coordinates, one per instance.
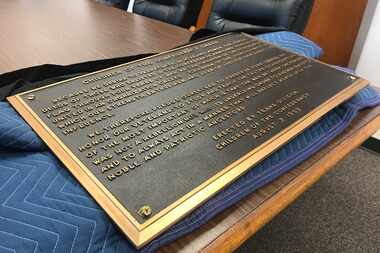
(229, 15)
(177, 12)
(124, 4)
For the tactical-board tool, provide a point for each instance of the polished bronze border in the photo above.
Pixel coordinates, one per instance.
(140, 234)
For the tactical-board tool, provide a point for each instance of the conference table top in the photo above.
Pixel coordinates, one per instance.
(37, 32)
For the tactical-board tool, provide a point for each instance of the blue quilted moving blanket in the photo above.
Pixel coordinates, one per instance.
(44, 209)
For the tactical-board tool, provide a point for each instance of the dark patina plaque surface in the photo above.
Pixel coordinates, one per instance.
(155, 131)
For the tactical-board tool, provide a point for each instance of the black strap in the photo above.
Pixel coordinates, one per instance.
(205, 33)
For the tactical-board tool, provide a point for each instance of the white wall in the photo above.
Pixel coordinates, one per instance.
(363, 32)
(365, 58)
(369, 61)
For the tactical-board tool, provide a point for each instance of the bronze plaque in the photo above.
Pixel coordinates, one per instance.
(153, 139)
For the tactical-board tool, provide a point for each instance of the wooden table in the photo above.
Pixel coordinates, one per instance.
(64, 32)
(35, 32)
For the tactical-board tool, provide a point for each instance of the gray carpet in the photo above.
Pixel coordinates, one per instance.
(340, 213)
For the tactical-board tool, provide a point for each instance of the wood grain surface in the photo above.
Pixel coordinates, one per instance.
(228, 230)
(334, 25)
(35, 32)
(204, 13)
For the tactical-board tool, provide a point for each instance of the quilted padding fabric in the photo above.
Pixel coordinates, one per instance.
(44, 209)
(293, 42)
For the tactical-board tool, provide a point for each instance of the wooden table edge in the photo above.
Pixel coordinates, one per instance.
(253, 221)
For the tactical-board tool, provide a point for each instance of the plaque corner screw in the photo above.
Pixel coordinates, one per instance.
(31, 97)
(145, 211)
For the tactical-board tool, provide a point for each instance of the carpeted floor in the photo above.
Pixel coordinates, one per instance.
(340, 213)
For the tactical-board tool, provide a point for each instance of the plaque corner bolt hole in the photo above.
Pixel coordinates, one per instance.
(145, 211)
(30, 97)
(353, 77)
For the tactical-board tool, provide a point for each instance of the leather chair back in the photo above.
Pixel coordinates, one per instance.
(237, 14)
(177, 12)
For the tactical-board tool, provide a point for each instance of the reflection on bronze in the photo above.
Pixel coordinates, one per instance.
(163, 134)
